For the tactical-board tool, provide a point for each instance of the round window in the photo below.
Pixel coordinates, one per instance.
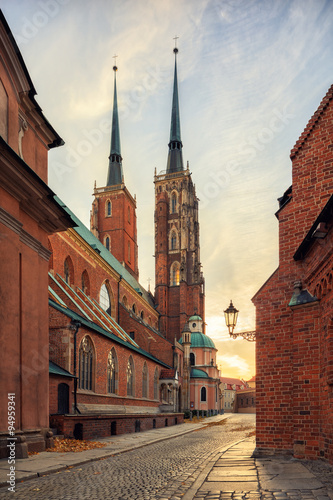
(194, 325)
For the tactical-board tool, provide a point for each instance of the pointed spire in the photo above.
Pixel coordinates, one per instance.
(175, 156)
(115, 172)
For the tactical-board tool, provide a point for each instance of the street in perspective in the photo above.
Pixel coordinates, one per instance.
(207, 459)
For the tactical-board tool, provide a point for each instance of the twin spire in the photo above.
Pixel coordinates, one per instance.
(175, 155)
(115, 171)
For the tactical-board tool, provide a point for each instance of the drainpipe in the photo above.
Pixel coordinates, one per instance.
(75, 325)
(118, 315)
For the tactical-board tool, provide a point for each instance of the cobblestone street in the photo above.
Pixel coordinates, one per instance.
(165, 470)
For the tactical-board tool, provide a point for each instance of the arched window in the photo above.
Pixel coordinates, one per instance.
(3, 112)
(85, 283)
(107, 243)
(174, 274)
(108, 209)
(112, 372)
(86, 360)
(156, 384)
(129, 215)
(69, 270)
(173, 203)
(173, 240)
(145, 381)
(203, 394)
(142, 315)
(124, 301)
(105, 299)
(134, 308)
(192, 359)
(130, 377)
(129, 252)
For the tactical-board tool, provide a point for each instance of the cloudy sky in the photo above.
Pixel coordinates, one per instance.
(251, 74)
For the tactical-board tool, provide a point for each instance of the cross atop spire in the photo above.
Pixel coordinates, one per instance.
(115, 171)
(175, 156)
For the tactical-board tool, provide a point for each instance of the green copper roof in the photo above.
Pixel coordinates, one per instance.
(175, 156)
(57, 370)
(196, 373)
(195, 318)
(199, 339)
(96, 245)
(115, 172)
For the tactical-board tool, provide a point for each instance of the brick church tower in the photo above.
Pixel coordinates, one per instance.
(113, 214)
(179, 282)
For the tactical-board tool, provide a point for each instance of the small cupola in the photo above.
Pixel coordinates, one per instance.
(195, 323)
(186, 334)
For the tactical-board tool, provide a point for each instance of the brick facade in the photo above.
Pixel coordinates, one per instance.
(294, 326)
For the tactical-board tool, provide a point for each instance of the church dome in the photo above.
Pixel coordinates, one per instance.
(199, 339)
(196, 373)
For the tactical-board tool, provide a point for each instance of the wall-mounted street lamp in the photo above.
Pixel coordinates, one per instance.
(231, 315)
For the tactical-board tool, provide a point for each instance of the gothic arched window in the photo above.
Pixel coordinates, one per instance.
(85, 283)
(68, 270)
(107, 243)
(112, 372)
(145, 381)
(105, 299)
(173, 203)
(173, 240)
(156, 384)
(203, 394)
(108, 209)
(86, 361)
(174, 274)
(130, 377)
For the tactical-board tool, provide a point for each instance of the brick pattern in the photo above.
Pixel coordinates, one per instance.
(294, 344)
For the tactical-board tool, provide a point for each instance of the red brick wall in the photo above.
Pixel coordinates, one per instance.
(294, 345)
(97, 427)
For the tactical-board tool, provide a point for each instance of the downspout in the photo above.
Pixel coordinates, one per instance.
(118, 315)
(75, 325)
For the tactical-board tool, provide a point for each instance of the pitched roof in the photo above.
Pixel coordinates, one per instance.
(312, 122)
(96, 245)
(57, 370)
(87, 323)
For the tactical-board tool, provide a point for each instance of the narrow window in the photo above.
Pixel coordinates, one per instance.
(86, 358)
(203, 394)
(173, 203)
(145, 381)
(156, 384)
(129, 252)
(104, 299)
(130, 377)
(112, 372)
(107, 243)
(85, 283)
(108, 208)
(192, 359)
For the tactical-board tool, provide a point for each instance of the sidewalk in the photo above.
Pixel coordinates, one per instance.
(232, 473)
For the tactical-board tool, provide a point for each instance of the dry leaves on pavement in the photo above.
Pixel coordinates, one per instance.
(74, 445)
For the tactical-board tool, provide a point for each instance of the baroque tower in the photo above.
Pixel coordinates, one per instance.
(113, 214)
(179, 282)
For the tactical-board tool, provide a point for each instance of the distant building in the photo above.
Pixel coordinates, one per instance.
(230, 386)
